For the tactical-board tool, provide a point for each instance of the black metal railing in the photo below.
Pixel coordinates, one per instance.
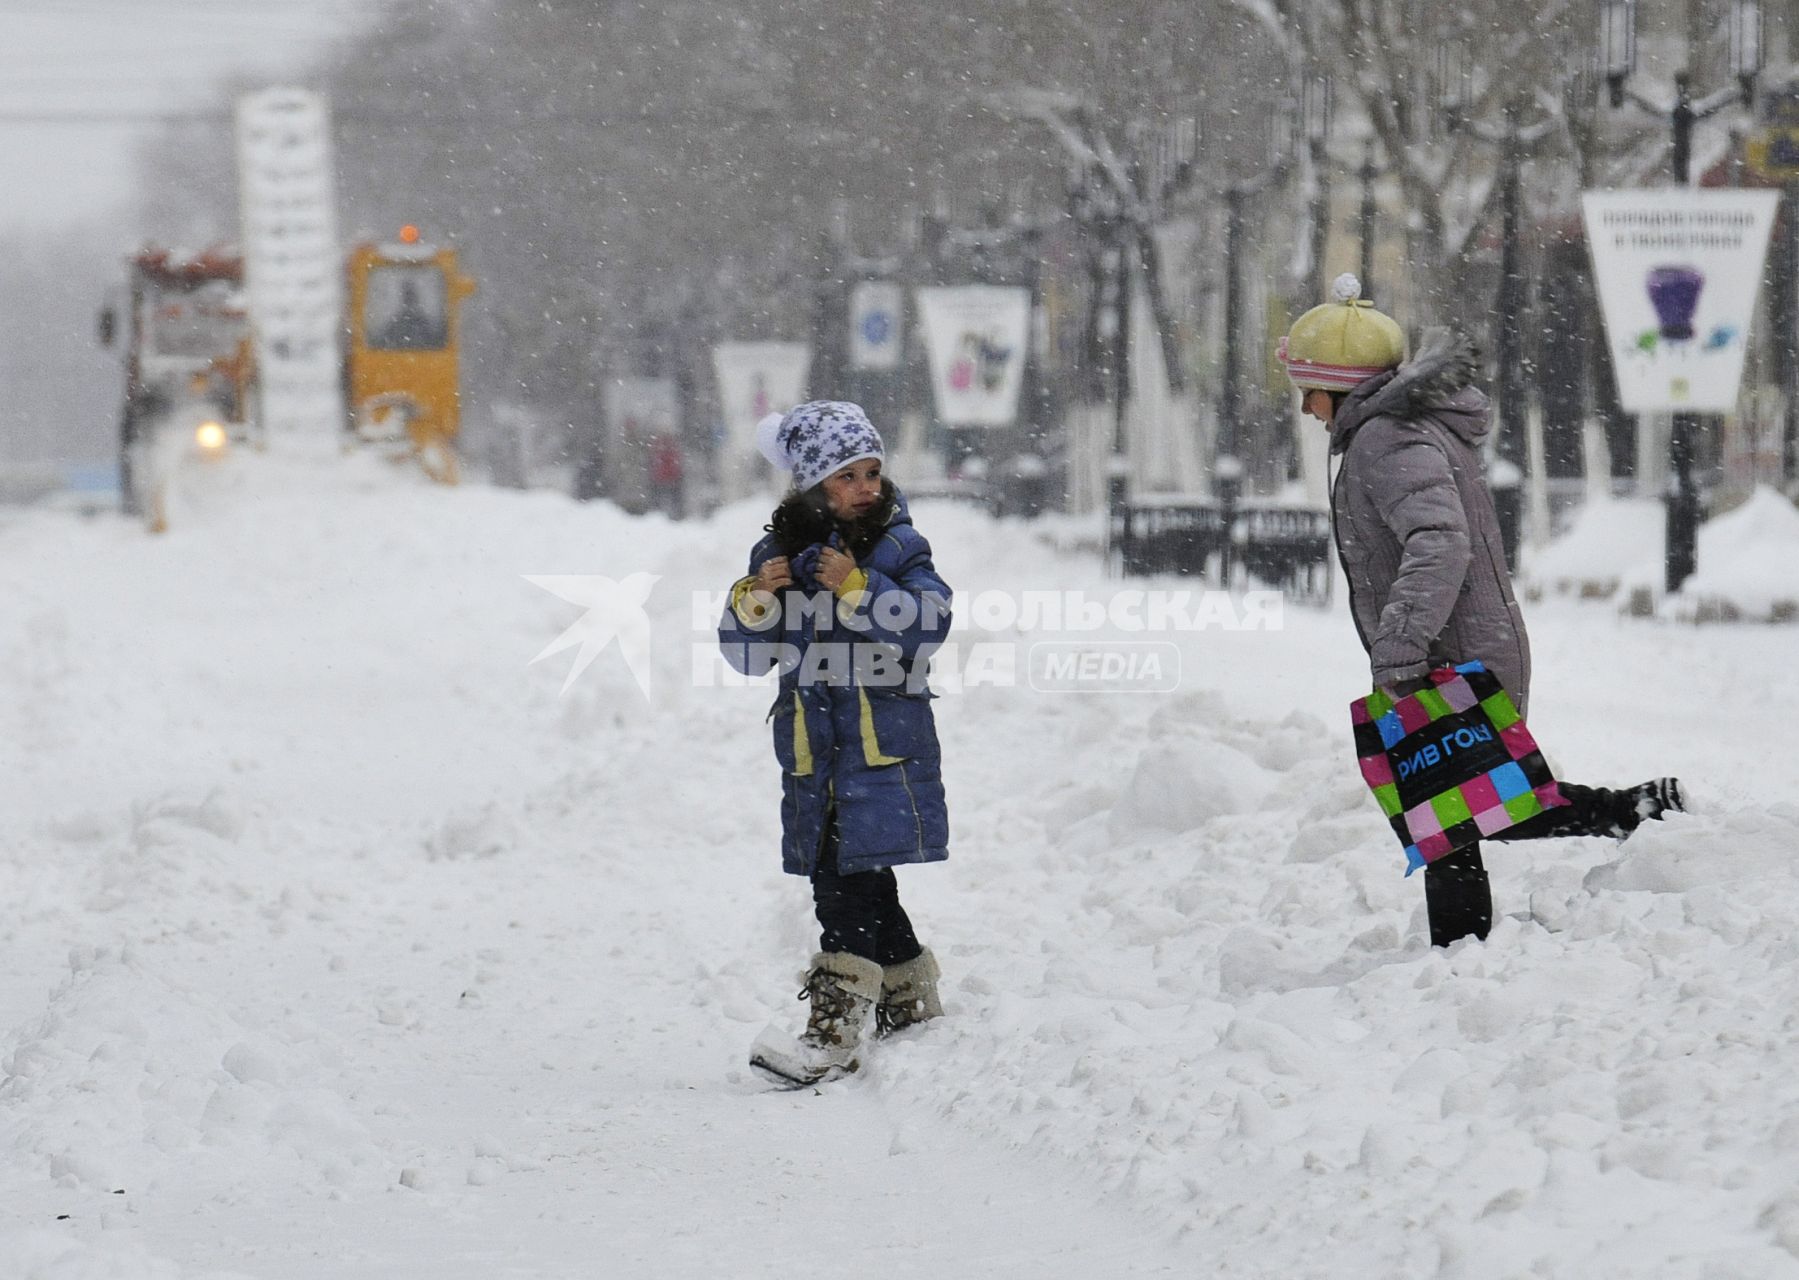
(1288, 548)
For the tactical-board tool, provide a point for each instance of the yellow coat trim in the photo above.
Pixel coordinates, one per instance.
(871, 746)
(750, 612)
(802, 741)
(852, 594)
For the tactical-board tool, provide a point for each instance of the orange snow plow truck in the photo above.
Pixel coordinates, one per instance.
(403, 344)
(190, 375)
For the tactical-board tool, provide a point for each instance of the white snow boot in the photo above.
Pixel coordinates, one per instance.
(843, 989)
(908, 994)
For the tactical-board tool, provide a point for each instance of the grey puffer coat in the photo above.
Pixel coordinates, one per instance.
(1415, 524)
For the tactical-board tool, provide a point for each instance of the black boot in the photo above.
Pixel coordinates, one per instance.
(1457, 898)
(1603, 811)
(1647, 802)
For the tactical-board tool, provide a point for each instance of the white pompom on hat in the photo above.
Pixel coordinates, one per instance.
(817, 438)
(1341, 344)
(768, 441)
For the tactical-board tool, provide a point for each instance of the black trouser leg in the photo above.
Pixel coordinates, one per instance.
(860, 913)
(1456, 897)
(1455, 887)
(1590, 811)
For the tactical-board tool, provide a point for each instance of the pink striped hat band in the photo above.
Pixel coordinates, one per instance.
(1331, 377)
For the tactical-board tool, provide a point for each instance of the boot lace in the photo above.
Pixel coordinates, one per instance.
(831, 1005)
(897, 1011)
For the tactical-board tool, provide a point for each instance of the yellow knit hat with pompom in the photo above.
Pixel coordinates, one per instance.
(1338, 346)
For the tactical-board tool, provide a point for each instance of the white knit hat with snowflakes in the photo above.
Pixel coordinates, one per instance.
(817, 438)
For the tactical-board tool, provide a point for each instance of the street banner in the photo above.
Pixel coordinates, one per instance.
(975, 336)
(756, 379)
(876, 317)
(1677, 272)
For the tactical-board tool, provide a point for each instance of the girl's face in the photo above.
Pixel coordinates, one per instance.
(854, 489)
(1318, 405)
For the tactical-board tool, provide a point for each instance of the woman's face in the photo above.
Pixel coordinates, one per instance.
(854, 489)
(1318, 405)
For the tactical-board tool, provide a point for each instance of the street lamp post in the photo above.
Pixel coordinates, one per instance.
(1369, 174)
(1618, 53)
(1230, 404)
(1510, 302)
(1115, 320)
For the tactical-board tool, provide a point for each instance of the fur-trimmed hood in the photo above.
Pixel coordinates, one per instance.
(1422, 551)
(1437, 382)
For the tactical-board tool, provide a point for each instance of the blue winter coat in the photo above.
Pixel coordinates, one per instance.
(853, 728)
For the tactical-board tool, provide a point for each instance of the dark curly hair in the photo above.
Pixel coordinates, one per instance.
(805, 518)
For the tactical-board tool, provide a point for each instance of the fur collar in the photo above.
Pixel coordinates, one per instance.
(1445, 365)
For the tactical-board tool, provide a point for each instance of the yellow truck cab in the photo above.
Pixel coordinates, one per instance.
(402, 363)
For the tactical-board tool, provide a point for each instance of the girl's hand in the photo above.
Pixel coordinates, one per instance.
(834, 566)
(773, 575)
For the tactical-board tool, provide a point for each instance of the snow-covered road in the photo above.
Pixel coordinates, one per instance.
(339, 944)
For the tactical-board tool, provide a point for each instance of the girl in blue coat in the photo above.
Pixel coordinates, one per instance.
(841, 597)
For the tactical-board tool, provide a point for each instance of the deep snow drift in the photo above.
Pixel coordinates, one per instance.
(341, 943)
(1748, 561)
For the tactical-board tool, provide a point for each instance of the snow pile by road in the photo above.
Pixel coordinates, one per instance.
(1748, 566)
(1607, 540)
(371, 950)
(1748, 561)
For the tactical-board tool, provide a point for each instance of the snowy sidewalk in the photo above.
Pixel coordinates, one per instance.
(343, 946)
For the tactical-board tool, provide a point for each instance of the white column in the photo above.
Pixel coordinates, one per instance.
(293, 263)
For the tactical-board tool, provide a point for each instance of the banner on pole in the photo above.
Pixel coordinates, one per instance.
(975, 336)
(876, 318)
(1677, 272)
(756, 379)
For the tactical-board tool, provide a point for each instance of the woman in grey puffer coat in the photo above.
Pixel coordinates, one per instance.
(1422, 554)
(1416, 530)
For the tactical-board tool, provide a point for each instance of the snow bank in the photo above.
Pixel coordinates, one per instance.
(1748, 561)
(128, 1078)
(1257, 1041)
(1748, 566)
(47, 1255)
(1606, 541)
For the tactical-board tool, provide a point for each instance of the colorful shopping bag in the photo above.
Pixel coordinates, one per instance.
(1451, 763)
